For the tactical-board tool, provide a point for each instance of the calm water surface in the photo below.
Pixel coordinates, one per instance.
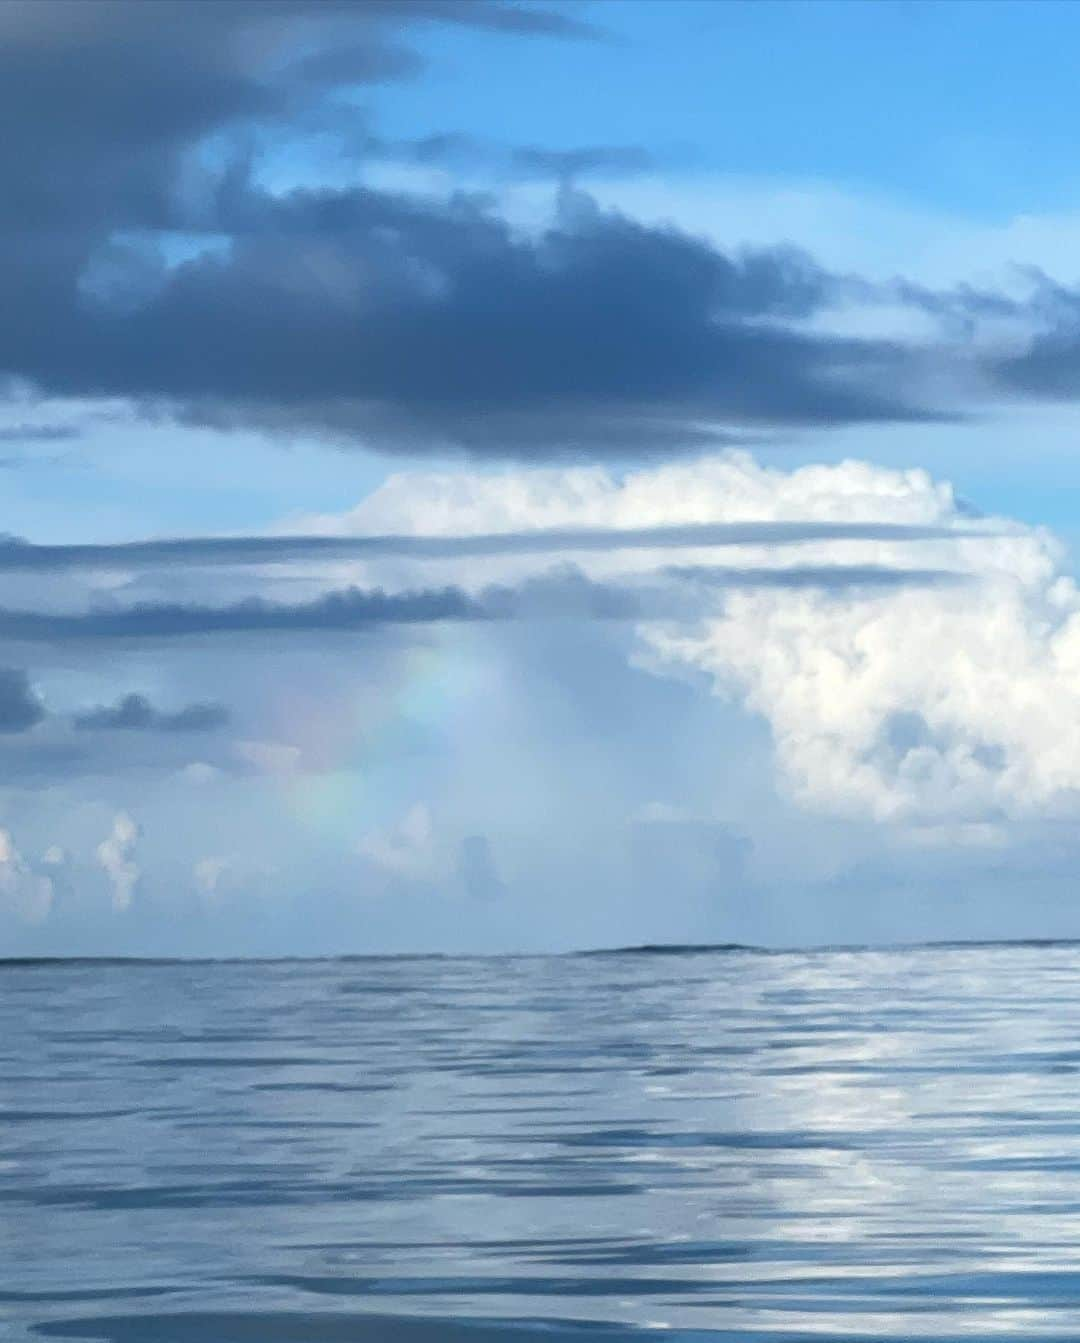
(726, 1145)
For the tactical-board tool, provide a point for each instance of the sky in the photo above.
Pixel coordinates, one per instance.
(483, 477)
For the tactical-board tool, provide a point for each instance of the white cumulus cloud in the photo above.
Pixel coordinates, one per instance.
(910, 703)
(116, 854)
(26, 890)
(208, 873)
(407, 849)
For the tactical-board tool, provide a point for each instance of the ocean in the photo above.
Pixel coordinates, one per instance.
(720, 1144)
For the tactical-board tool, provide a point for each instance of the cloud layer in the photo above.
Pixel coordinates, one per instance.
(152, 253)
(917, 662)
(156, 249)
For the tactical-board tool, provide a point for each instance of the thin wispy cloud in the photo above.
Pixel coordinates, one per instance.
(355, 609)
(17, 555)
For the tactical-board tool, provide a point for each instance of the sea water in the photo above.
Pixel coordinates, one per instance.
(721, 1144)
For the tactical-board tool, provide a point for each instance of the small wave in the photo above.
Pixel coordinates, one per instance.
(318, 1327)
(673, 949)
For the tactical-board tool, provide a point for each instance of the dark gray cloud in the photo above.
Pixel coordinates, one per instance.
(409, 324)
(400, 324)
(20, 708)
(111, 96)
(1049, 365)
(1045, 364)
(563, 594)
(351, 609)
(136, 713)
(362, 314)
(21, 556)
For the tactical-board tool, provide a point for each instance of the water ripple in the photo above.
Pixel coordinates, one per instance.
(723, 1143)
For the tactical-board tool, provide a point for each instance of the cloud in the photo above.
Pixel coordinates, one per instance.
(895, 700)
(406, 850)
(135, 206)
(476, 867)
(561, 593)
(407, 323)
(1047, 363)
(412, 851)
(827, 577)
(880, 529)
(221, 874)
(27, 890)
(138, 222)
(931, 703)
(978, 725)
(147, 218)
(545, 544)
(352, 609)
(721, 493)
(116, 855)
(110, 96)
(208, 873)
(20, 708)
(136, 713)
(22, 556)
(919, 703)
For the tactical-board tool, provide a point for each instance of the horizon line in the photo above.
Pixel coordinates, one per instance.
(634, 949)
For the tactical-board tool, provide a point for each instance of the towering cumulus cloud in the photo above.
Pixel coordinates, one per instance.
(899, 701)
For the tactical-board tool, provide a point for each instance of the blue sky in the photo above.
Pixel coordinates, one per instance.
(709, 373)
(893, 96)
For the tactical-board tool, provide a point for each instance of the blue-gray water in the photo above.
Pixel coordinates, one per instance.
(734, 1145)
